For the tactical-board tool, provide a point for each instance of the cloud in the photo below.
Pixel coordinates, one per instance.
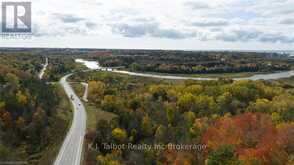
(210, 23)
(68, 18)
(215, 31)
(91, 25)
(272, 8)
(137, 30)
(287, 21)
(254, 35)
(239, 35)
(172, 34)
(276, 38)
(225, 21)
(59, 29)
(197, 5)
(149, 27)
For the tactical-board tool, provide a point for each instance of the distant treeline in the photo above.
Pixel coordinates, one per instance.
(188, 62)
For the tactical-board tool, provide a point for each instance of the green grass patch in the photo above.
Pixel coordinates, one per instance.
(78, 88)
(94, 114)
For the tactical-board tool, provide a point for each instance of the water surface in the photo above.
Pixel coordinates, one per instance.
(94, 65)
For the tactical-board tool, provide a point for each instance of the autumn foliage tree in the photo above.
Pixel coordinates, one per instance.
(96, 90)
(254, 137)
(241, 122)
(28, 108)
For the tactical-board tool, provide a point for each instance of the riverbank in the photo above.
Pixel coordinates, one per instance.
(94, 65)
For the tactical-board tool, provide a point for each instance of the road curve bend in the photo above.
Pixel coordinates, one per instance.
(71, 150)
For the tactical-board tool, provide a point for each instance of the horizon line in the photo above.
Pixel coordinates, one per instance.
(91, 48)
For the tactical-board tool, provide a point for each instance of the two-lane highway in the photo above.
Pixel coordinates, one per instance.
(71, 150)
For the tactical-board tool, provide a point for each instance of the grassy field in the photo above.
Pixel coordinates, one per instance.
(78, 88)
(94, 114)
(288, 81)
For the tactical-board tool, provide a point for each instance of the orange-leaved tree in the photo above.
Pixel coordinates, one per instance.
(253, 135)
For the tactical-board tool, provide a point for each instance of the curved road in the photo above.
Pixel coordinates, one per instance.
(71, 150)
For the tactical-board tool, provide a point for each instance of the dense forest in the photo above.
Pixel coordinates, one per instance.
(190, 62)
(220, 122)
(164, 61)
(61, 61)
(61, 65)
(30, 111)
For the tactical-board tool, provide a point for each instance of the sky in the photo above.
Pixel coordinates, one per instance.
(161, 24)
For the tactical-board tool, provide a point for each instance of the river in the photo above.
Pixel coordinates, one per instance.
(94, 65)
